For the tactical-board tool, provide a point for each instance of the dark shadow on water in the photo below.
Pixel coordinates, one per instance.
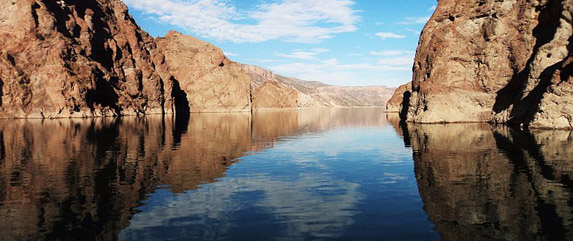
(481, 182)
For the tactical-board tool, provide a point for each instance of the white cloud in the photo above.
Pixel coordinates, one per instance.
(333, 72)
(320, 50)
(432, 8)
(378, 23)
(265, 60)
(305, 21)
(390, 35)
(229, 54)
(388, 53)
(413, 31)
(300, 54)
(402, 61)
(414, 20)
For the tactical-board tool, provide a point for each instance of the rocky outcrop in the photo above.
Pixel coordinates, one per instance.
(267, 92)
(75, 58)
(210, 81)
(272, 95)
(317, 94)
(495, 61)
(396, 103)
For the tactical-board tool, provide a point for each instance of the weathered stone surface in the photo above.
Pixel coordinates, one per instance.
(396, 103)
(495, 61)
(75, 58)
(210, 81)
(272, 95)
(267, 92)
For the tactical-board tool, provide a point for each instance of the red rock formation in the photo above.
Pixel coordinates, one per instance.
(210, 81)
(395, 103)
(75, 58)
(272, 95)
(496, 61)
(267, 92)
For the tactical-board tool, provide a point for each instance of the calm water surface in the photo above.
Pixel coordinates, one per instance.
(324, 174)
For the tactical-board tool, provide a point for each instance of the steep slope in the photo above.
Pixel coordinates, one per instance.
(495, 61)
(209, 80)
(317, 94)
(75, 58)
(267, 92)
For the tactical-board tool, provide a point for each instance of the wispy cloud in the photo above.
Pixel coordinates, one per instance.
(414, 20)
(389, 53)
(432, 8)
(332, 71)
(265, 60)
(229, 54)
(384, 35)
(413, 31)
(300, 54)
(305, 21)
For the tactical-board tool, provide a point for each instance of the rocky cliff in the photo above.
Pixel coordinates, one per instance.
(495, 61)
(317, 94)
(75, 58)
(87, 58)
(396, 103)
(267, 92)
(211, 81)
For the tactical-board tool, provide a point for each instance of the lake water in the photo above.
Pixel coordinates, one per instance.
(315, 174)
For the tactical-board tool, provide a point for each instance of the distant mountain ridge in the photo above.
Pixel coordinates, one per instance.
(318, 94)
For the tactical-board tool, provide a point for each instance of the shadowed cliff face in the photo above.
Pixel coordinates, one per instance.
(83, 179)
(75, 58)
(484, 183)
(495, 61)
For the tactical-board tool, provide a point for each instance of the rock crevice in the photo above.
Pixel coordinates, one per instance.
(495, 61)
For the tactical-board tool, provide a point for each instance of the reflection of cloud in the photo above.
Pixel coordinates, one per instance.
(325, 205)
(389, 178)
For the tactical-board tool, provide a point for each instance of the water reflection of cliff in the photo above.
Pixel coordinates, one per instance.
(484, 183)
(82, 179)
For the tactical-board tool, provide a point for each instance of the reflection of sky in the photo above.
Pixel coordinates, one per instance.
(353, 184)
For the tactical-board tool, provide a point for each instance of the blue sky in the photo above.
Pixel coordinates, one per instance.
(339, 42)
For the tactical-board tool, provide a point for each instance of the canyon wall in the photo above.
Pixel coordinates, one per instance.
(267, 92)
(75, 58)
(87, 58)
(495, 61)
(211, 81)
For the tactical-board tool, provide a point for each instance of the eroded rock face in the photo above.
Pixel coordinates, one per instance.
(273, 95)
(267, 92)
(495, 61)
(396, 103)
(210, 81)
(75, 58)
